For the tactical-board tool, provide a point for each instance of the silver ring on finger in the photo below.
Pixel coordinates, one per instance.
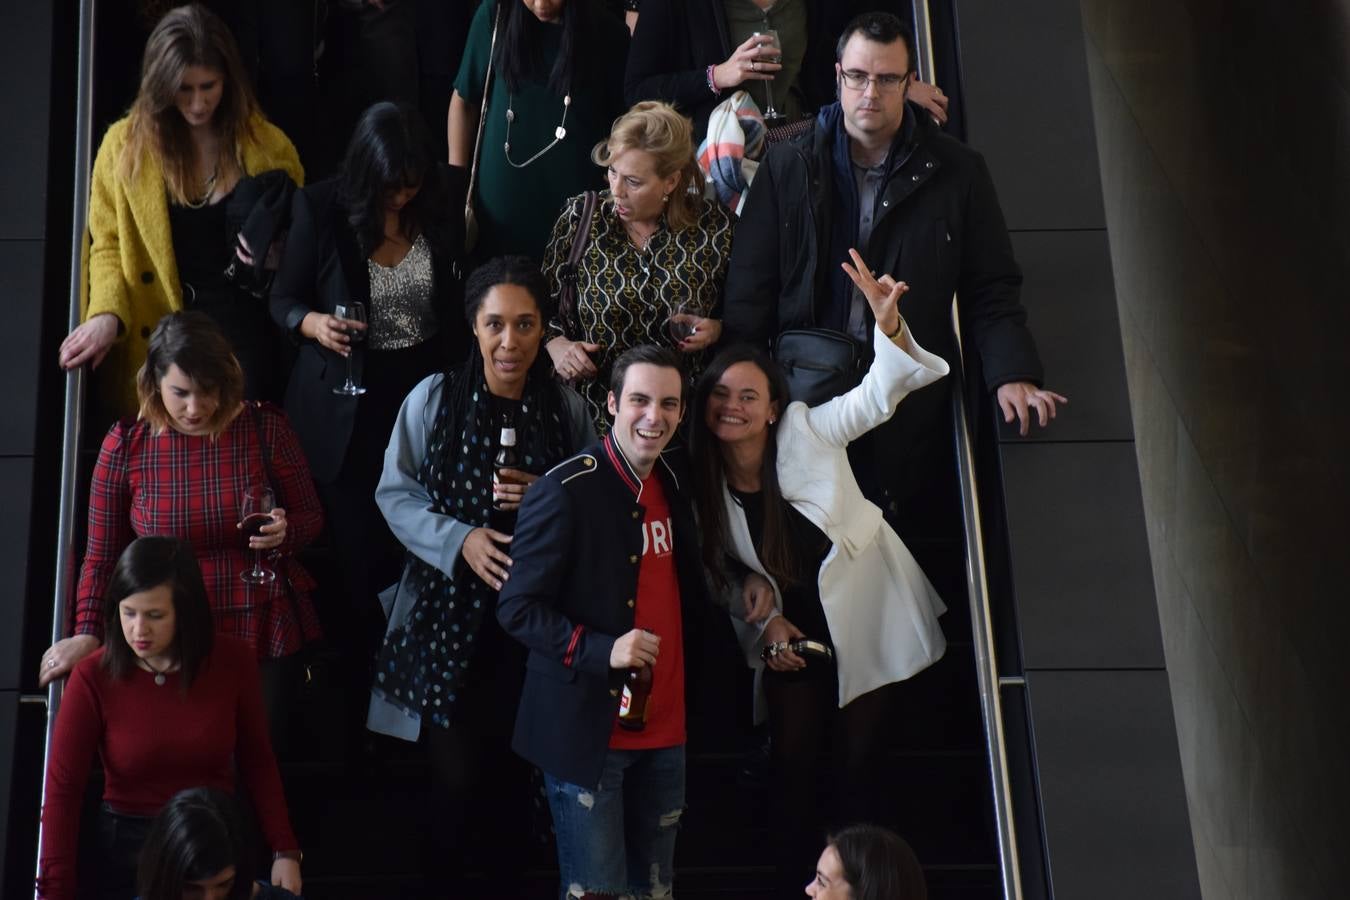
(755, 66)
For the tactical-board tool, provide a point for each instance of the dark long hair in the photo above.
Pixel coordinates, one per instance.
(519, 55)
(390, 149)
(146, 564)
(878, 864)
(464, 377)
(776, 553)
(197, 834)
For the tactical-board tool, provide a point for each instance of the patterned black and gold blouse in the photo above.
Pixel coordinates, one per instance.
(624, 296)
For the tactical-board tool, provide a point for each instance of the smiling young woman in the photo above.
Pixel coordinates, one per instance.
(776, 494)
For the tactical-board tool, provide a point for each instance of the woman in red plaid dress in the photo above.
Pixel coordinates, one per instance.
(181, 469)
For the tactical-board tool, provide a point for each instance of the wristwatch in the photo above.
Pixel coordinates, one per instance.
(295, 855)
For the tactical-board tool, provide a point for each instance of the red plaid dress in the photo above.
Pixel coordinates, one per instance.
(191, 487)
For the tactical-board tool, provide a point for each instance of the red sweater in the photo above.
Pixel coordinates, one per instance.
(154, 742)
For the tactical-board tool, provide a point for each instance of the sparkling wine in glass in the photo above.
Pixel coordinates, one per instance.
(355, 311)
(682, 322)
(255, 511)
(769, 38)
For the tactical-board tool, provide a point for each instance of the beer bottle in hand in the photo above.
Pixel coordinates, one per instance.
(508, 457)
(637, 690)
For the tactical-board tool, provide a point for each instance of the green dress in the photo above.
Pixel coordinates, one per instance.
(516, 207)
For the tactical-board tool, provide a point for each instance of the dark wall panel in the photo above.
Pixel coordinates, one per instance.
(1028, 109)
(9, 710)
(1114, 802)
(16, 476)
(25, 65)
(21, 280)
(1071, 307)
(1081, 572)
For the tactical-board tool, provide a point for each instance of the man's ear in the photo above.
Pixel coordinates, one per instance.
(612, 404)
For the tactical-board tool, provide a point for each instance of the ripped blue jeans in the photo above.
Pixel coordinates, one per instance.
(619, 839)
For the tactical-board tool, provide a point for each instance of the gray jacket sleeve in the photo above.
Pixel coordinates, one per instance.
(434, 538)
(580, 425)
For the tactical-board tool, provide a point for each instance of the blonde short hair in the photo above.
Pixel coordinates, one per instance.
(656, 128)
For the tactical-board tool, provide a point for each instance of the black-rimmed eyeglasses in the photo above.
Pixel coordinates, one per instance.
(856, 80)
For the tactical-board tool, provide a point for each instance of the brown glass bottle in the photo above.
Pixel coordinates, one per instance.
(637, 690)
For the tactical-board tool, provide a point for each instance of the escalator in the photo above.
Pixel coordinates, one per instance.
(960, 761)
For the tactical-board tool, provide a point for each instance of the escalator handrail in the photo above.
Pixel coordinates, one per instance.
(75, 380)
(977, 581)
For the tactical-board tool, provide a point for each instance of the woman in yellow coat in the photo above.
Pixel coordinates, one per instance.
(157, 230)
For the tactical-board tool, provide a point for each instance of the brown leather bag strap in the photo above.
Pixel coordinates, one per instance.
(567, 299)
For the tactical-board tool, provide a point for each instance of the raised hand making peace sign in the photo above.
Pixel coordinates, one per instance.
(883, 294)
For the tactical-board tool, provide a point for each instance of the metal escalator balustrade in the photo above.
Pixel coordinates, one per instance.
(977, 581)
(73, 425)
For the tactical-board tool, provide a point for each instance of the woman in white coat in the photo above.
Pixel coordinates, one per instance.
(786, 526)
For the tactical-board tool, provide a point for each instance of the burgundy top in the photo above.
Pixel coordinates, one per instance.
(154, 742)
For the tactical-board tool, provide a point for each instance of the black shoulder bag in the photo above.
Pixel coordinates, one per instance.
(820, 364)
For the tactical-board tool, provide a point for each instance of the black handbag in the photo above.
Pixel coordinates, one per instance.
(820, 364)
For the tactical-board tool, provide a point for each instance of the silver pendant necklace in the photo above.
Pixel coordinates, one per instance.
(160, 677)
(558, 133)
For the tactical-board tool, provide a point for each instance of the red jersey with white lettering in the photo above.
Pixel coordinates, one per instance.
(658, 611)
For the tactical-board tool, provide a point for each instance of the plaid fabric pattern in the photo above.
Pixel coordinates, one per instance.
(191, 487)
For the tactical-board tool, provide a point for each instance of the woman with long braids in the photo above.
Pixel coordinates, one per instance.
(847, 611)
(553, 72)
(446, 670)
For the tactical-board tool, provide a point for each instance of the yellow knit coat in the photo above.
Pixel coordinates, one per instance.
(129, 249)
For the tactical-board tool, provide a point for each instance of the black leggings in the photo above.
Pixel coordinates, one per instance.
(827, 762)
(480, 810)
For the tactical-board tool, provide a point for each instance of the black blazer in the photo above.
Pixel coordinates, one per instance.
(676, 41)
(322, 267)
(576, 552)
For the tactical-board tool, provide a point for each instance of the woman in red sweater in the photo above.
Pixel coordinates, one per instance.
(167, 705)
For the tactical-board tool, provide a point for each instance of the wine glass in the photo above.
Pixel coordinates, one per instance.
(682, 322)
(355, 311)
(254, 512)
(771, 115)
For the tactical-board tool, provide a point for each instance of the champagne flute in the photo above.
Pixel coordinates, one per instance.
(354, 311)
(771, 115)
(254, 512)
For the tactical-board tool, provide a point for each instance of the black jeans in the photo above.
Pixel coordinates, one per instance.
(110, 871)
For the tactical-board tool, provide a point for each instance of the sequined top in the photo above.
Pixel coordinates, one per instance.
(400, 300)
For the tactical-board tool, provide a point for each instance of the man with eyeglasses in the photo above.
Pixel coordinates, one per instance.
(875, 173)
